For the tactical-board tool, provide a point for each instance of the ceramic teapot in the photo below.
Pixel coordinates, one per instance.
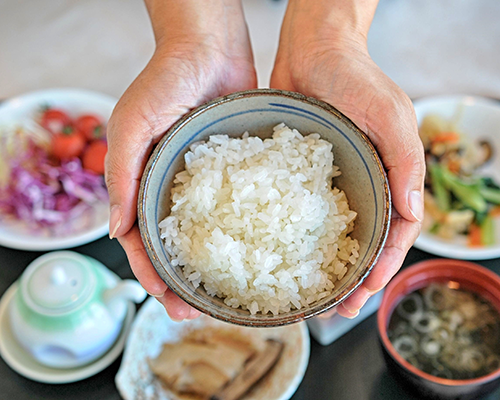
(69, 308)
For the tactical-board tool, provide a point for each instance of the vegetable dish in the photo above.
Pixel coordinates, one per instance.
(459, 200)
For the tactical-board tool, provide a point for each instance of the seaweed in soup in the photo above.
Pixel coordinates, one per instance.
(447, 331)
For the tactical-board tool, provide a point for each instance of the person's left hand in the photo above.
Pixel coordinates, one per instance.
(317, 62)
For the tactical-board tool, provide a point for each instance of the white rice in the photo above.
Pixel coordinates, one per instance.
(257, 222)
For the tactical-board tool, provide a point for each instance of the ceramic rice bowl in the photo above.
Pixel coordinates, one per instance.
(362, 178)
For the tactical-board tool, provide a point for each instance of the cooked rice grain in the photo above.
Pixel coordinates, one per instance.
(257, 222)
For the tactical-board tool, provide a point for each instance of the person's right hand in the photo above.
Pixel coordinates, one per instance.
(203, 51)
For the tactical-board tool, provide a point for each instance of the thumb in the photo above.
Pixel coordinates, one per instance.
(391, 125)
(141, 117)
(400, 147)
(133, 129)
(406, 183)
(129, 143)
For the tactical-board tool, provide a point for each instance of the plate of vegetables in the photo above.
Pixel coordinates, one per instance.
(461, 138)
(52, 189)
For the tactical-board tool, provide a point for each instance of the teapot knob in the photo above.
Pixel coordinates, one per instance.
(58, 276)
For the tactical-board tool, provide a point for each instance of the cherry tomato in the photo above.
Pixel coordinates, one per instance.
(91, 126)
(67, 144)
(55, 120)
(93, 156)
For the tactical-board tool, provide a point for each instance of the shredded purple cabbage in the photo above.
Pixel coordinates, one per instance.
(41, 193)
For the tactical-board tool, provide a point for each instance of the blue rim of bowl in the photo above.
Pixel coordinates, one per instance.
(265, 320)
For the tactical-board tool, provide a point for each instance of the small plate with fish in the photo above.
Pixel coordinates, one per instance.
(169, 360)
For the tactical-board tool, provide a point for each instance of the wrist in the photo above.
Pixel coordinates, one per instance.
(196, 21)
(340, 22)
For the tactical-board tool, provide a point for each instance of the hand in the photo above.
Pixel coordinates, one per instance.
(323, 54)
(202, 52)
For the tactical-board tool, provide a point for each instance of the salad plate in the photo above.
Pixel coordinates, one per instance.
(19, 115)
(152, 328)
(476, 119)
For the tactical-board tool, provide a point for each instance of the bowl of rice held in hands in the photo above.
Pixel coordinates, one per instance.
(264, 207)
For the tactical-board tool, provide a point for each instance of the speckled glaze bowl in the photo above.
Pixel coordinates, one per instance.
(465, 274)
(363, 180)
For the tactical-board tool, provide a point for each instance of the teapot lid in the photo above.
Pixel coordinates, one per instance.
(57, 282)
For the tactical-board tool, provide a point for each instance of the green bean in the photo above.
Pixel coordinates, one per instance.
(441, 194)
(488, 231)
(468, 194)
(491, 195)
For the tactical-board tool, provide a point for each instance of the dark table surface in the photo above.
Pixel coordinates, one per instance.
(350, 368)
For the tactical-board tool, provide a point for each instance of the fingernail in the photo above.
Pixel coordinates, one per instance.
(115, 220)
(193, 315)
(160, 298)
(353, 314)
(358, 299)
(416, 205)
(158, 295)
(356, 311)
(174, 319)
(373, 292)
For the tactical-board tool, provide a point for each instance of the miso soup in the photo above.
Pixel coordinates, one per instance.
(447, 331)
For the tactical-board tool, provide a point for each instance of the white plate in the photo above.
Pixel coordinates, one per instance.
(21, 361)
(479, 118)
(153, 327)
(75, 102)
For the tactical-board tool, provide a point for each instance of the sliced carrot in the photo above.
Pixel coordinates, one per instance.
(446, 137)
(474, 236)
(495, 211)
(454, 166)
